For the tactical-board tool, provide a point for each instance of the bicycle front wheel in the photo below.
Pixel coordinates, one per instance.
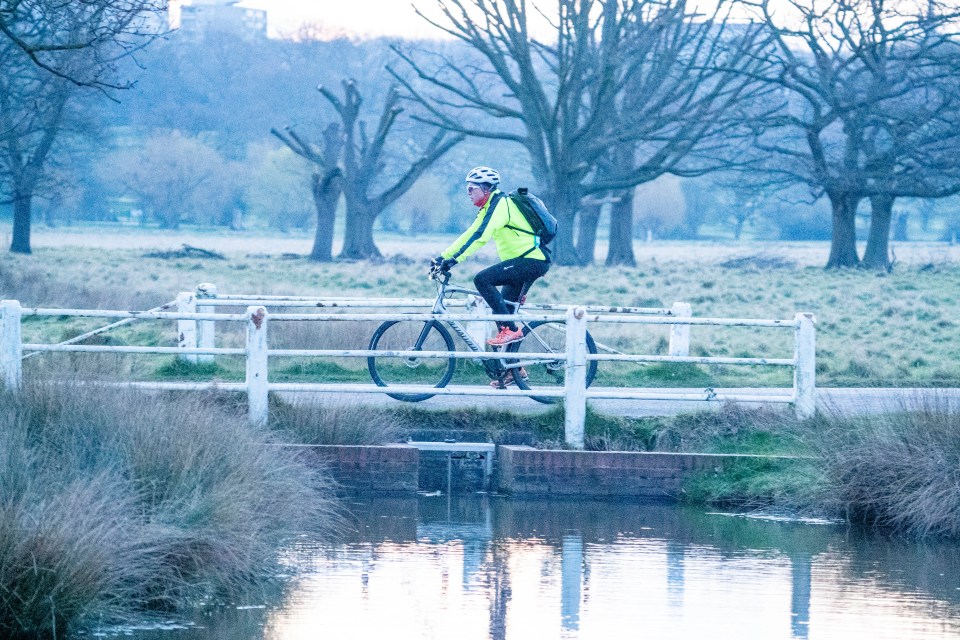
(546, 337)
(391, 371)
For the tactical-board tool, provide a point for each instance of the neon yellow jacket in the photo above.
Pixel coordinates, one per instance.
(511, 243)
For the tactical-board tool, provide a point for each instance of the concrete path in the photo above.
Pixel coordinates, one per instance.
(848, 401)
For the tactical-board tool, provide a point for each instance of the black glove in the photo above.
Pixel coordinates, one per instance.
(442, 264)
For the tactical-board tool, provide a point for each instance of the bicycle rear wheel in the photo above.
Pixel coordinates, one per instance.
(389, 371)
(547, 337)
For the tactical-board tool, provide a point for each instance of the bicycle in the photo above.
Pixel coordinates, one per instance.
(546, 336)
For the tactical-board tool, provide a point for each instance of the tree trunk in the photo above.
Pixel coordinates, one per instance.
(877, 254)
(587, 223)
(843, 240)
(358, 241)
(21, 222)
(563, 204)
(326, 193)
(620, 252)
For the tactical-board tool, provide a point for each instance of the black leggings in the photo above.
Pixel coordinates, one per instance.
(515, 276)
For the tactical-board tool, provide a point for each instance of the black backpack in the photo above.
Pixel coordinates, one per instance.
(537, 215)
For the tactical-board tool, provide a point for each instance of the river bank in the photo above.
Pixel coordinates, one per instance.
(124, 505)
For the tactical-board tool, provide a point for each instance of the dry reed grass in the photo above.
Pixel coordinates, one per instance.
(899, 471)
(116, 503)
(303, 422)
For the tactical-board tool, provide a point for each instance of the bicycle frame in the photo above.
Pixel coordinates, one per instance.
(444, 289)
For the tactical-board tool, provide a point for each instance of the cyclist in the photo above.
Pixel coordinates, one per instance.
(522, 261)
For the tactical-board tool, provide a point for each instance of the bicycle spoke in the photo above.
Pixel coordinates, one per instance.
(389, 371)
(548, 338)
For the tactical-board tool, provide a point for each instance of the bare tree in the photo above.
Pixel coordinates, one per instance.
(842, 65)
(81, 41)
(326, 182)
(33, 107)
(49, 49)
(365, 163)
(646, 76)
(913, 138)
(174, 177)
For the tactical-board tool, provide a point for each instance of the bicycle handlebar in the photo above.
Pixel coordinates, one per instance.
(438, 274)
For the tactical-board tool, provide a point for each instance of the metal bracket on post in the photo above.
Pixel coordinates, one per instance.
(479, 330)
(257, 381)
(680, 333)
(11, 345)
(805, 366)
(575, 379)
(187, 329)
(207, 328)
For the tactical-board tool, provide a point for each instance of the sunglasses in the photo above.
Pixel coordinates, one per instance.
(473, 188)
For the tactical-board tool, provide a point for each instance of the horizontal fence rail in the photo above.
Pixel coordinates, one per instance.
(196, 317)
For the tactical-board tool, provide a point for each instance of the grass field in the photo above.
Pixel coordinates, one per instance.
(873, 329)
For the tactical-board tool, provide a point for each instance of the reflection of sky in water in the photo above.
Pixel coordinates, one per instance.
(529, 570)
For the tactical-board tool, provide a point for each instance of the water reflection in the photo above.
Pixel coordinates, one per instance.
(800, 564)
(488, 568)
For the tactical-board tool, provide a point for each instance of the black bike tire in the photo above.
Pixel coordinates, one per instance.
(525, 384)
(411, 397)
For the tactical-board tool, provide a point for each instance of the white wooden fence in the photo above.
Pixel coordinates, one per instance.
(199, 322)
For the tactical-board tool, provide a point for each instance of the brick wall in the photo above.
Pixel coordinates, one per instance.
(518, 470)
(390, 468)
(526, 471)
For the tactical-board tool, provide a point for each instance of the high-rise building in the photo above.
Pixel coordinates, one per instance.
(233, 16)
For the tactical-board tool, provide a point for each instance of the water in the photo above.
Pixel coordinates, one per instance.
(494, 568)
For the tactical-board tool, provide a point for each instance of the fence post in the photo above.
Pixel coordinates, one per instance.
(680, 333)
(479, 329)
(805, 367)
(257, 381)
(11, 345)
(207, 328)
(575, 379)
(187, 329)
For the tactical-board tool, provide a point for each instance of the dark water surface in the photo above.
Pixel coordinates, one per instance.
(493, 568)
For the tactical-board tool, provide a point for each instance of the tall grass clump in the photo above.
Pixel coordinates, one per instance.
(115, 504)
(898, 471)
(304, 422)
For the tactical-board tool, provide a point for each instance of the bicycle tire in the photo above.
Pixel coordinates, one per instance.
(396, 335)
(549, 337)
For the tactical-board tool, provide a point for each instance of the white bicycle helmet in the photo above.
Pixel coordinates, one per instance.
(483, 174)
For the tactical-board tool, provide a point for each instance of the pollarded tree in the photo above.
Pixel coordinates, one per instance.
(373, 175)
(326, 182)
(647, 76)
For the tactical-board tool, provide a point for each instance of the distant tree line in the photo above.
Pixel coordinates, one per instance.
(631, 118)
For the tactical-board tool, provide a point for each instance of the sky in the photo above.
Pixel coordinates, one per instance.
(355, 17)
